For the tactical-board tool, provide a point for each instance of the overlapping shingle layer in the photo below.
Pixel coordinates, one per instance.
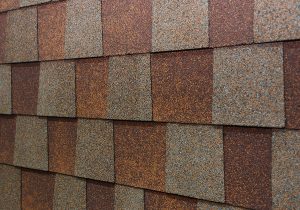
(149, 104)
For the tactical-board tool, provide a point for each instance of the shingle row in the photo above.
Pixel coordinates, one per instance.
(248, 167)
(76, 28)
(32, 189)
(251, 85)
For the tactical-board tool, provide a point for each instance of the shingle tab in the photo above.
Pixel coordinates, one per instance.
(140, 150)
(248, 86)
(10, 187)
(31, 145)
(162, 201)
(3, 24)
(62, 145)
(5, 89)
(292, 84)
(21, 35)
(95, 150)
(285, 169)
(129, 198)
(182, 86)
(231, 22)
(179, 24)
(69, 193)
(7, 138)
(9, 4)
(248, 167)
(276, 20)
(191, 169)
(126, 26)
(92, 87)
(37, 189)
(83, 29)
(129, 80)
(100, 195)
(25, 86)
(52, 21)
(57, 89)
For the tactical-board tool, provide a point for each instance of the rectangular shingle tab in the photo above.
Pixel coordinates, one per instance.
(62, 145)
(31, 144)
(129, 198)
(3, 24)
(276, 20)
(285, 169)
(136, 36)
(158, 200)
(191, 169)
(92, 87)
(292, 84)
(24, 3)
(21, 35)
(9, 4)
(10, 187)
(248, 167)
(179, 24)
(5, 89)
(140, 154)
(51, 30)
(95, 150)
(129, 96)
(100, 195)
(57, 89)
(83, 36)
(248, 86)
(37, 189)
(230, 22)
(7, 138)
(69, 193)
(25, 86)
(182, 86)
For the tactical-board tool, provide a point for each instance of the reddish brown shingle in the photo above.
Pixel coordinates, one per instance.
(231, 22)
(140, 154)
(37, 190)
(163, 201)
(292, 84)
(25, 84)
(9, 4)
(62, 145)
(91, 87)
(182, 86)
(100, 195)
(7, 138)
(51, 21)
(3, 21)
(247, 159)
(126, 26)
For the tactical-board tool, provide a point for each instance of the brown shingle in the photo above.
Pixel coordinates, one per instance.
(292, 84)
(25, 84)
(37, 190)
(126, 26)
(51, 20)
(21, 35)
(140, 154)
(62, 145)
(92, 87)
(3, 22)
(247, 159)
(231, 22)
(9, 4)
(7, 138)
(100, 195)
(163, 201)
(182, 86)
